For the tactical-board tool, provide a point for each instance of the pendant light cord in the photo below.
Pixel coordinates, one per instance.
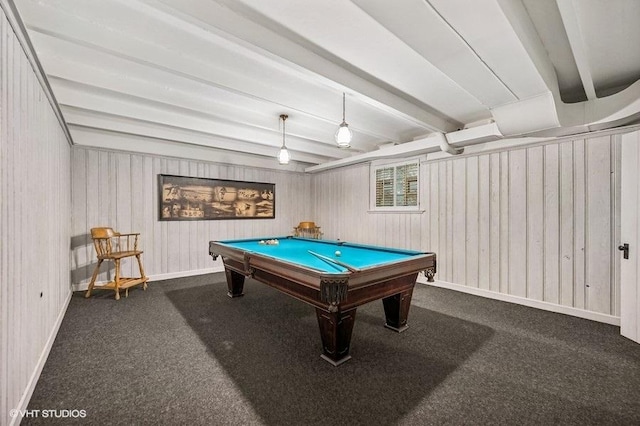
(283, 117)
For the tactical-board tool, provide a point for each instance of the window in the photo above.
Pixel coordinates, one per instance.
(395, 186)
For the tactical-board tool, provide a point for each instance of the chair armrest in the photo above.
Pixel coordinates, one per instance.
(124, 242)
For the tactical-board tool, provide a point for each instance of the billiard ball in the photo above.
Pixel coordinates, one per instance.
(338, 253)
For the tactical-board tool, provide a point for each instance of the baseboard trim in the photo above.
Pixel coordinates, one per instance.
(33, 380)
(547, 306)
(171, 275)
(160, 277)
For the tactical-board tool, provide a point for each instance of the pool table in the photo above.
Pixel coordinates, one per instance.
(333, 276)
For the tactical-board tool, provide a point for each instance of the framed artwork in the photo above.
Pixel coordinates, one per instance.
(191, 198)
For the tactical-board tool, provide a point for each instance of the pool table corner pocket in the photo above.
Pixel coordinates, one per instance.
(333, 291)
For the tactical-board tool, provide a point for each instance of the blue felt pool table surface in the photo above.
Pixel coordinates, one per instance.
(296, 250)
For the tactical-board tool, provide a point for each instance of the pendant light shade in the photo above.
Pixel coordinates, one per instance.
(343, 135)
(283, 155)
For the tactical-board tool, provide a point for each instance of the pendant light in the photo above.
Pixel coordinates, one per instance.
(343, 135)
(283, 155)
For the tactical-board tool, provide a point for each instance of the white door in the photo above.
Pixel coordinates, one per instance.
(629, 234)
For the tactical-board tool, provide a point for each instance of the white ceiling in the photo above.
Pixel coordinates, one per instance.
(170, 75)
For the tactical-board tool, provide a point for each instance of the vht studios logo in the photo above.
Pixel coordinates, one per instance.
(59, 414)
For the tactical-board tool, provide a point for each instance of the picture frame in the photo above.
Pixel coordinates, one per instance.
(183, 198)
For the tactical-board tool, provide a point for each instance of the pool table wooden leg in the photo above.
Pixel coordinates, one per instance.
(396, 310)
(235, 283)
(335, 330)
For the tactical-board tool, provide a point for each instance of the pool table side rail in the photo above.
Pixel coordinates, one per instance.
(423, 262)
(324, 289)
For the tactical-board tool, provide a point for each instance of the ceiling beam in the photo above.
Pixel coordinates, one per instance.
(241, 25)
(576, 41)
(74, 59)
(124, 125)
(112, 105)
(421, 27)
(103, 139)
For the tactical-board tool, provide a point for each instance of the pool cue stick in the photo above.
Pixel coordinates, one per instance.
(337, 262)
(332, 264)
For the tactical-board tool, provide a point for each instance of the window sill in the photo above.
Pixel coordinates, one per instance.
(397, 211)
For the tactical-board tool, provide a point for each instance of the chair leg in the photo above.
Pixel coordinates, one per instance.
(144, 284)
(117, 279)
(93, 279)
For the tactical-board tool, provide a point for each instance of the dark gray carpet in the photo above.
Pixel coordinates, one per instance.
(184, 353)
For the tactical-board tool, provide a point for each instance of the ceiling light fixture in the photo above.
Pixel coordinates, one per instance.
(283, 155)
(343, 135)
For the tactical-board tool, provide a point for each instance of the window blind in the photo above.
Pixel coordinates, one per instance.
(407, 185)
(397, 186)
(384, 187)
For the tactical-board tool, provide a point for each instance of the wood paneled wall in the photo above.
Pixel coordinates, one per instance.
(341, 203)
(120, 190)
(535, 223)
(35, 204)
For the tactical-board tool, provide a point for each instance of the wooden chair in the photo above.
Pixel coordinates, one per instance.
(111, 245)
(307, 230)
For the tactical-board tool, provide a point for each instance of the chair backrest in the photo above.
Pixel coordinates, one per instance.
(307, 225)
(102, 233)
(102, 240)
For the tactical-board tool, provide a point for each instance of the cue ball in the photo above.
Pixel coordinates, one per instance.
(338, 253)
